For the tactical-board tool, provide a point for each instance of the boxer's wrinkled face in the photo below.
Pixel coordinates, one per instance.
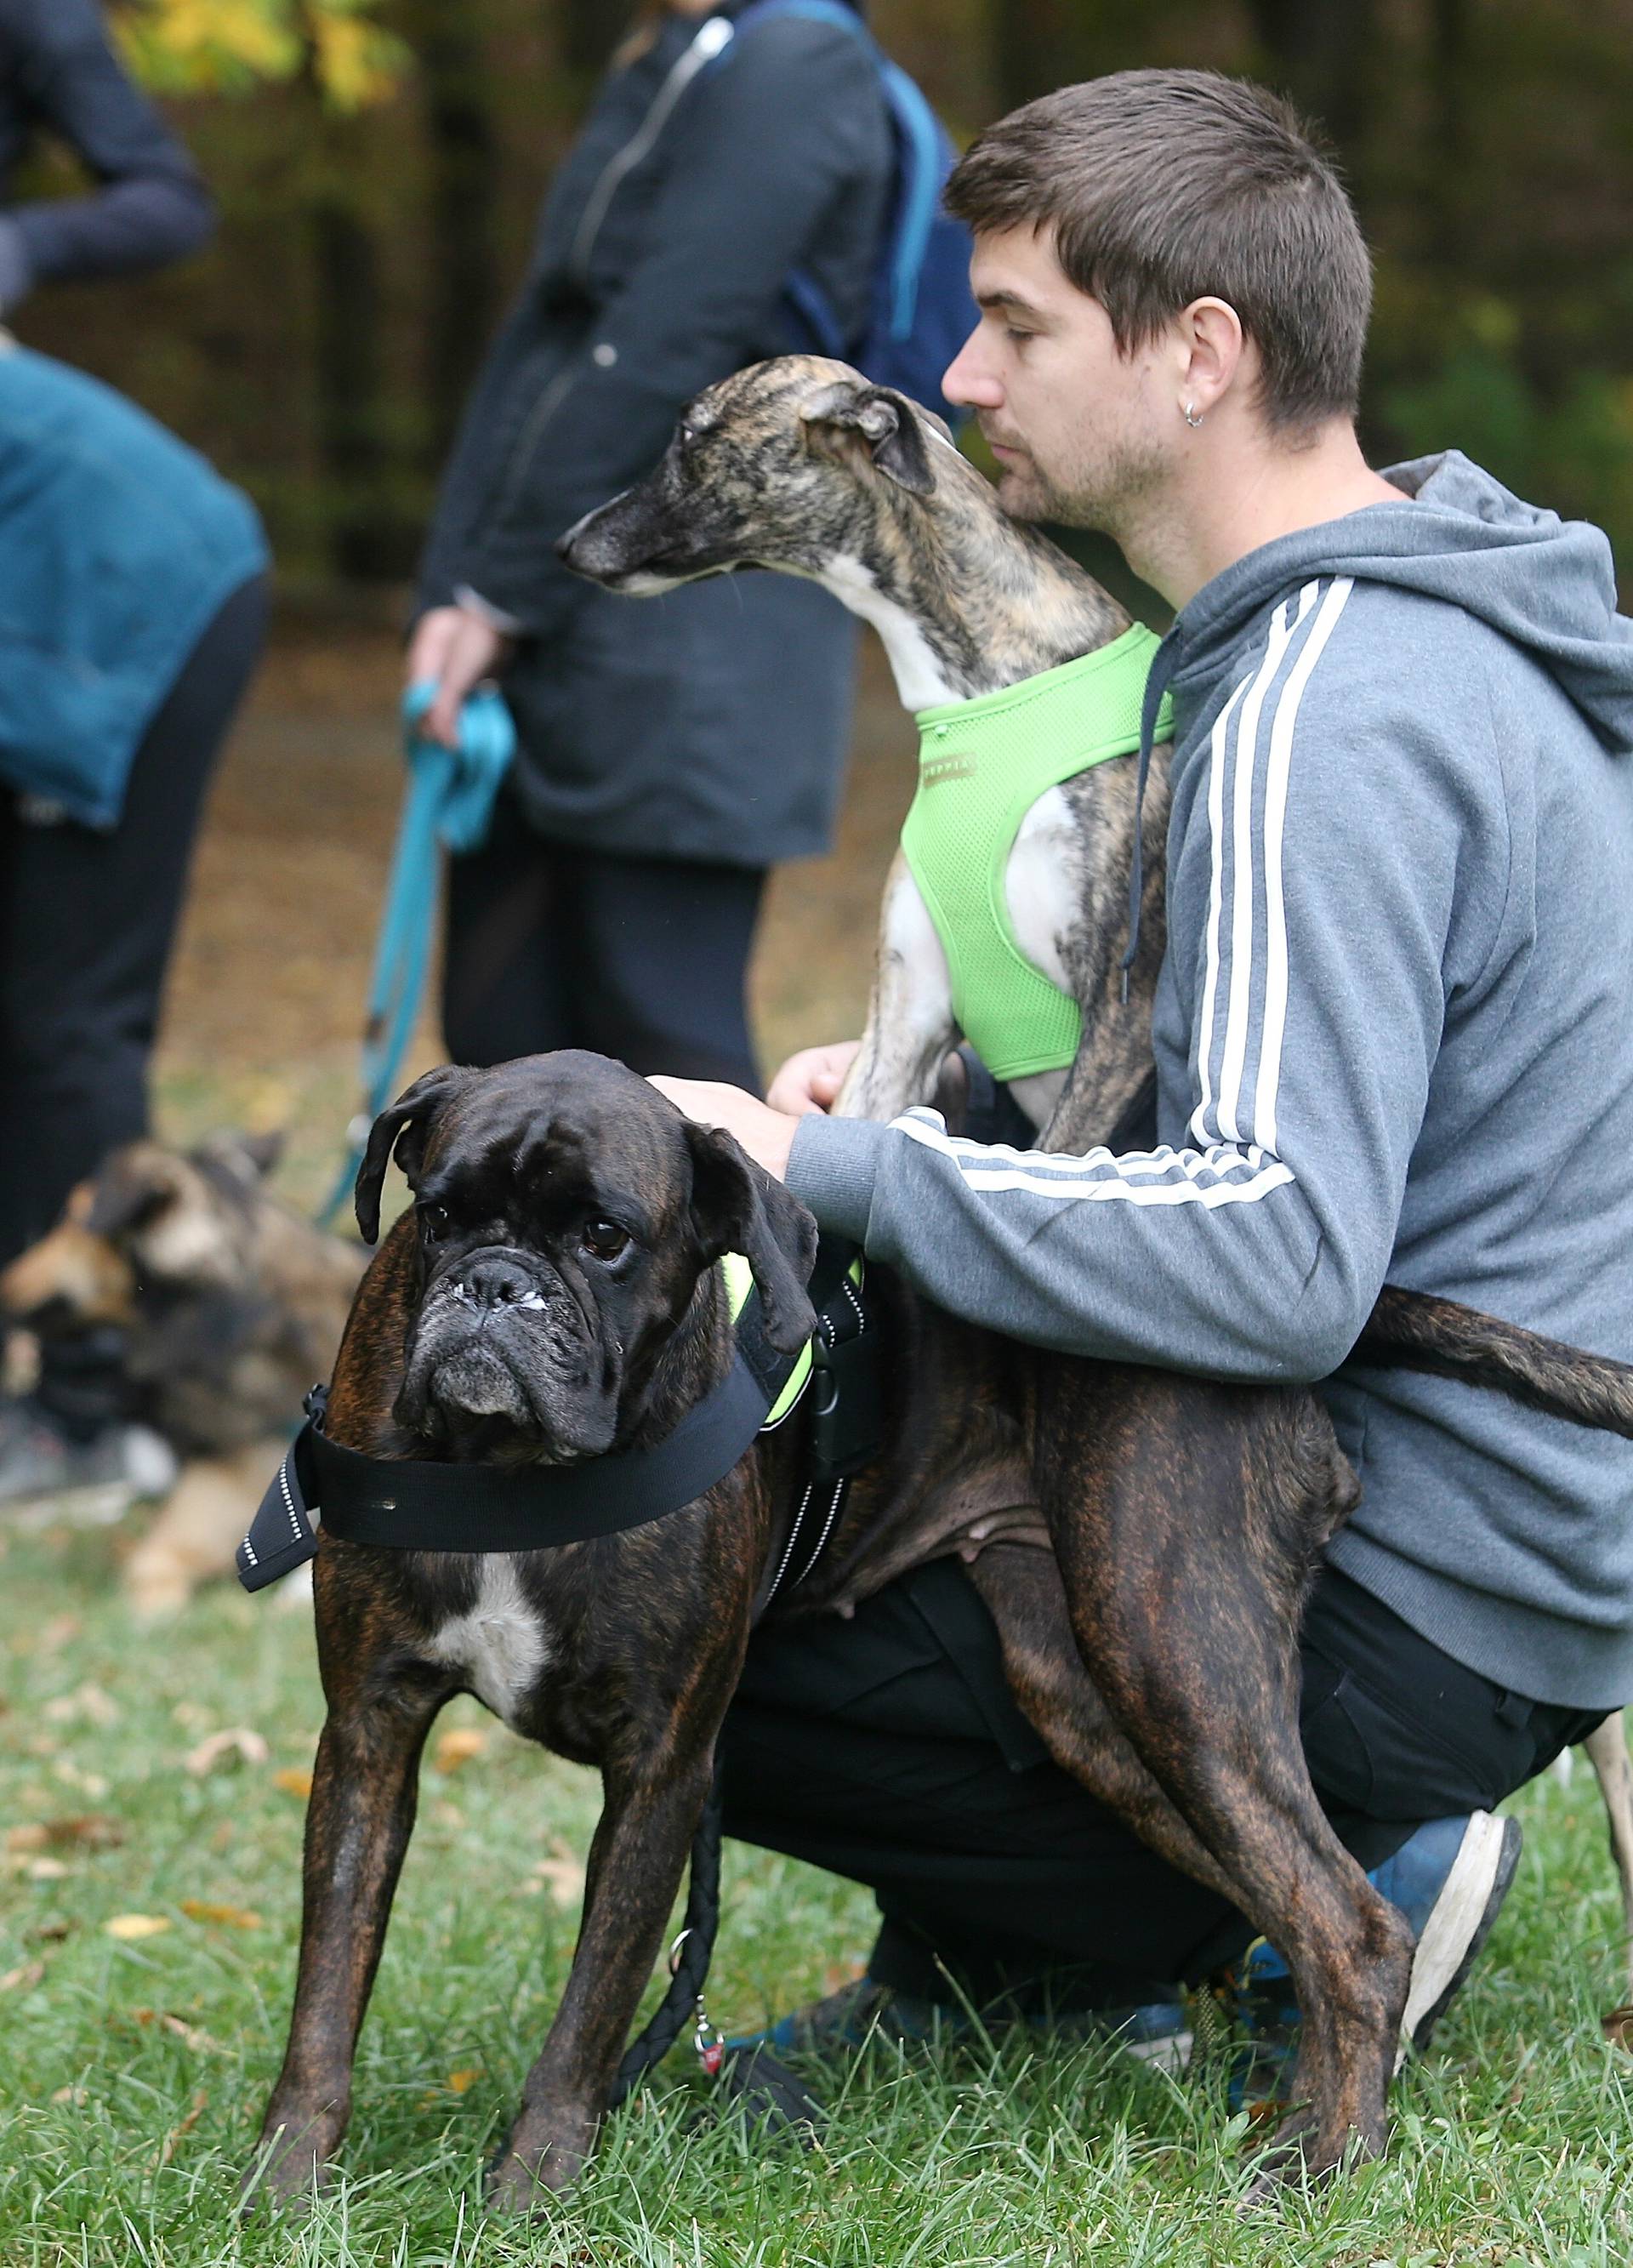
(564, 1211)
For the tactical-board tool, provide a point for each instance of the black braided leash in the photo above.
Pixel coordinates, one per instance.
(765, 2088)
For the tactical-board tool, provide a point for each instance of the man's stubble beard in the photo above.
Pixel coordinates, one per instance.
(1109, 497)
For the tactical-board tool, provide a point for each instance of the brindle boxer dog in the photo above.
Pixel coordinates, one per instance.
(552, 1297)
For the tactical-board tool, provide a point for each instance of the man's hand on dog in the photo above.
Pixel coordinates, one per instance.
(807, 1082)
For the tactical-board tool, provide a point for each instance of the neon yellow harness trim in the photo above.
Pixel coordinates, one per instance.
(982, 764)
(738, 1284)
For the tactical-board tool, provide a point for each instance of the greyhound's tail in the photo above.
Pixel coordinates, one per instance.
(1422, 1333)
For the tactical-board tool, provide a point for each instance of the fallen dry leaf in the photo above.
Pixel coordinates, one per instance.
(23, 1980)
(561, 1873)
(292, 1781)
(458, 2081)
(87, 1701)
(130, 1926)
(94, 1830)
(236, 1740)
(45, 1870)
(213, 1910)
(1618, 2026)
(74, 2095)
(168, 2146)
(458, 1746)
(192, 2035)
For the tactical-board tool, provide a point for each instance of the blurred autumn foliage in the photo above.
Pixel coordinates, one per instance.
(379, 165)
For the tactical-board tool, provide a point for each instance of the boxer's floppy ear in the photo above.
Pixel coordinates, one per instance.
(739, 1207)
(409, 1118)
(886, 422)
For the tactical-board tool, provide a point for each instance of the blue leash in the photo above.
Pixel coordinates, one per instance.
(448, 802)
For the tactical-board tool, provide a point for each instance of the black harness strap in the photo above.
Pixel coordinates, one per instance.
(411, 1505)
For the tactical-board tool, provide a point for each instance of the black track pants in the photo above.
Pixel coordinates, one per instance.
(887, 1748)
(549, 945)
(86, 923)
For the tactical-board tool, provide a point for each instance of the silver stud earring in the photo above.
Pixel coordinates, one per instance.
(1189, 414)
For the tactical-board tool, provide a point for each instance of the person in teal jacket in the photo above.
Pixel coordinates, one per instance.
(132, 607)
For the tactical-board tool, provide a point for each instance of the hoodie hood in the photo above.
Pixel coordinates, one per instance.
(1545, 584)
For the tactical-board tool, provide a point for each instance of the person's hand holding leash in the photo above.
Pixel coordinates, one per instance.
(767, 1134)
(458, 647)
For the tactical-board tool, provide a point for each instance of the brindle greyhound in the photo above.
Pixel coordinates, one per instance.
(800, 465)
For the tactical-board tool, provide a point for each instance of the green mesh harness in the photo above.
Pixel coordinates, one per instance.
(982, 764)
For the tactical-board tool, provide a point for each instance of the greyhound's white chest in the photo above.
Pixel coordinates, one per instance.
(500, 1646)
(1042, 885)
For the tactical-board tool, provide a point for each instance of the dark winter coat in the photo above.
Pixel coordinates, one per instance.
(58, 71)
(710, 724)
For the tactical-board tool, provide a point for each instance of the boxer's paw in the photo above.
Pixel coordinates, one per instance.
(543, 2155)
(291, 2163)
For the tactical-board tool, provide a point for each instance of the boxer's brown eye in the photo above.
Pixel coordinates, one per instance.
(434, 1222)
(604, 1239)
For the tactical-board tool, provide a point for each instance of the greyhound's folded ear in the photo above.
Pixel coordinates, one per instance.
(736, 1206)
(851, 417)
(404, 1127)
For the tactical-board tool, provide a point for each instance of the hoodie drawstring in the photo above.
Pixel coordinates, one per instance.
(1164, 662)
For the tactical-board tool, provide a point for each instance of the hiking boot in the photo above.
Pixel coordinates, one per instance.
(1449, 1878)
(43, 1468)
(863, 2009)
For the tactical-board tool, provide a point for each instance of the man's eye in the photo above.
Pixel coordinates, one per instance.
(434, 1222)
(1018, 338)
(604, 1239)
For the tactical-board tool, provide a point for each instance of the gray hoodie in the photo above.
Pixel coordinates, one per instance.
(1394, 1040)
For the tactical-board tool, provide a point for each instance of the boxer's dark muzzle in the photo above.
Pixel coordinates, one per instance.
(499, 1335)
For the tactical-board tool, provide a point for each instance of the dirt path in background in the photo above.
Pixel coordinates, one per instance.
(266, 998)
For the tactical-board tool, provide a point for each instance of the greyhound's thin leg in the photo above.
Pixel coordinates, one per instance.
(1608, 1752)
(635, 1869)
(910, 1019)
(1022, 1587)
(359, 1822)
(1184, 1545)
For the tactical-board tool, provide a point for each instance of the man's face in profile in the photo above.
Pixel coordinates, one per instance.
(1081, 432)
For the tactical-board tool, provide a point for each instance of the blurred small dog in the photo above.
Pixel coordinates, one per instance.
(231, 1306)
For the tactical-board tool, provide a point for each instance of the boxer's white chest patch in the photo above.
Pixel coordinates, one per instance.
(501, 1646)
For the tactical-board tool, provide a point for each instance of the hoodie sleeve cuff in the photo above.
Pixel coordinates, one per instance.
(831, 1169)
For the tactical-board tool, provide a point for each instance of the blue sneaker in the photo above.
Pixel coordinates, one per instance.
(1449, 1878)
(1158, 2033)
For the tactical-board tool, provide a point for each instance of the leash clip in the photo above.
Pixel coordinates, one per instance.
(708, 2040)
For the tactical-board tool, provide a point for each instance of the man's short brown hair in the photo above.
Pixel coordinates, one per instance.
(1162, 186)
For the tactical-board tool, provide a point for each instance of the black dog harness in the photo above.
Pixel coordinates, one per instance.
(414, 1505)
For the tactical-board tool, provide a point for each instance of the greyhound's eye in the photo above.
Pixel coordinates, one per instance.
(434, 1222)
(604, 1239)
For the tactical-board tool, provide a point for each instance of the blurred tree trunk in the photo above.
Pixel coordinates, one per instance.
(589, 32)
(362, 545)
(1320, 53)
(462, 304)
(1454, 153)
(1038, 45)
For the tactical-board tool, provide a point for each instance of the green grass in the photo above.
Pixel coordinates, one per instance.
(134, 2071)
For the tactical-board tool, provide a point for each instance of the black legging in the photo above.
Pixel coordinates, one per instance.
(87, 920)
(549, 945)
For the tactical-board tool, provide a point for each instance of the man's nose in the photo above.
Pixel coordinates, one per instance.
(965, 382)
(497, 1282)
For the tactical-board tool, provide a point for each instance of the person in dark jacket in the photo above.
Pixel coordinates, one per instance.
(132, 605)
(669, 753)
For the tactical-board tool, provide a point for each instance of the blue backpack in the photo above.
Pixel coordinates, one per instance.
(922, 310)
